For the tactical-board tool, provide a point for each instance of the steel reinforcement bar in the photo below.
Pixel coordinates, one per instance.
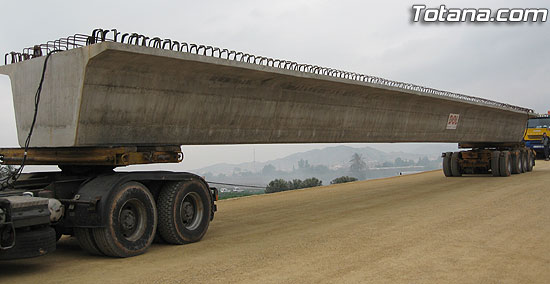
(113, 35)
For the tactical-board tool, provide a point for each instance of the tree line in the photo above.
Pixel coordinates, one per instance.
(278, 185)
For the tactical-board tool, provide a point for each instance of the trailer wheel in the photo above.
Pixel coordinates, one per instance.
(58, 233)
(455, 167)
(184, 211)
(31, 243)
(516, 162)
(86, 240)
(447, 164)
(158, 239)
(524, 160)
(495, 163)
(131, 222)
(505, 164)
(530, 161)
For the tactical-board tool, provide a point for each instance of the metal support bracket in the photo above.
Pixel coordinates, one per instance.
(92, 156)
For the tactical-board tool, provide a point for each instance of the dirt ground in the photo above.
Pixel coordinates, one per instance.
(421, 228)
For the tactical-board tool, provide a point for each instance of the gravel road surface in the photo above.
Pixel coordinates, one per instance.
(421, 228)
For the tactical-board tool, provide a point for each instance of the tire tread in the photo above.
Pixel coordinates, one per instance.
(167, 227)
(495, 163)
(105, 242)
(165, 217)
(33, 243)
(455, 167)
(87, 241)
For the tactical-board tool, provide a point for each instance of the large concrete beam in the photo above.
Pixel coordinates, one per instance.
(119, 94)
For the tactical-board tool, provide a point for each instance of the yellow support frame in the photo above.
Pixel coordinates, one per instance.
(92, 156)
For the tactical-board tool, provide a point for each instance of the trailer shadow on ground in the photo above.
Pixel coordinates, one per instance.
(67, 247)
(21, 266)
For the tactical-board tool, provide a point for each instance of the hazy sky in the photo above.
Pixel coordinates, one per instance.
(503, 62)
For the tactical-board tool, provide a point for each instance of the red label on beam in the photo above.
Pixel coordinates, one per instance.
(452, 123)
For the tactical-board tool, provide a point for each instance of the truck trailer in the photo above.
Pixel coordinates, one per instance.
(112, 99)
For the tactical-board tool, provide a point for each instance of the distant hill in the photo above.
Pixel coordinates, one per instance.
(332, 157)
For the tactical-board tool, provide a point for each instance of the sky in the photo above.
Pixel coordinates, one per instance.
(504, 62)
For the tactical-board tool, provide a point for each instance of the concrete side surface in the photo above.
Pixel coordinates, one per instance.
(116, 94)
(59, 107)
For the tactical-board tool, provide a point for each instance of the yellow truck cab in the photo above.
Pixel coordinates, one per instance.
(535, 129)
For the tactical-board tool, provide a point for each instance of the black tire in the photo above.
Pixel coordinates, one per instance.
(524, 161)
(495, 163)
(58, 233)
(530, 161)
(158, 238)
(455, 167)
(86, 240)
(447, 164)
(131, 224)
(185, 210)
(37, 242)
(516, 162)
(505, 164)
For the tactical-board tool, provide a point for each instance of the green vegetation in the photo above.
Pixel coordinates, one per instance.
(296, 172)
(343, 179)
(278, 185)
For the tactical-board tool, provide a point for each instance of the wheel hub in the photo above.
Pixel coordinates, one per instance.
(132, 220)
(128, 218)
(191, 211)
(188, 211)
